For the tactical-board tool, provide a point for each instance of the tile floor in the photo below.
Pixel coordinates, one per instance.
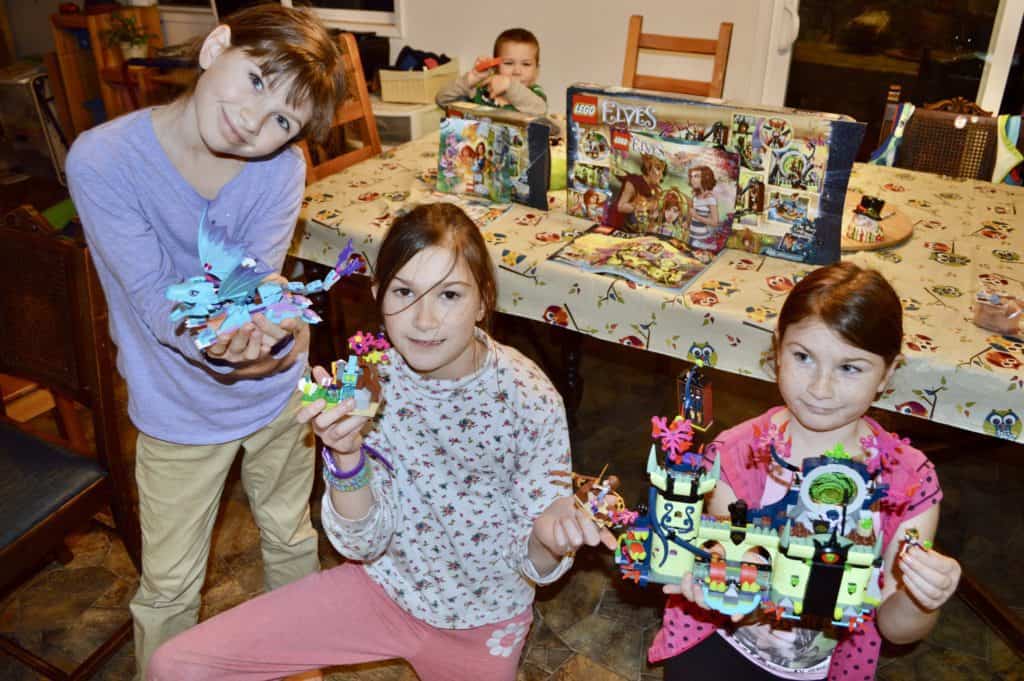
(591, 626)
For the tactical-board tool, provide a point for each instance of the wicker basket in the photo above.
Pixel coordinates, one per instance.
(416, 87)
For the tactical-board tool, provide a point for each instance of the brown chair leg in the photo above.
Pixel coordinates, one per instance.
(70, 424)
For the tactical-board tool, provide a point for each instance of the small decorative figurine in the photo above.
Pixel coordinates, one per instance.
(912, 537)
(997, 312)
(866, 225)
(234, 288)
(819, 551)
(356, 378)
(695, 397)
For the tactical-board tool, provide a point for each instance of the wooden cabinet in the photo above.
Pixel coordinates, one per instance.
(92, 73)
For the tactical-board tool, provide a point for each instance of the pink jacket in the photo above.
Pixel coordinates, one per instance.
(914, 488)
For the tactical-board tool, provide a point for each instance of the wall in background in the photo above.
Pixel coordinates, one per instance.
(579, 41)
(587, 40)
(30, 24)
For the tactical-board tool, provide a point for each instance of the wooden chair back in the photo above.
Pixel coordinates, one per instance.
(54, 321)
(354, 112)
(637, 40)
(950, 137)
(54, 318)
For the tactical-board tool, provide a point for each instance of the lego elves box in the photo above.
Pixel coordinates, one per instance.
(499, 154)
(766, 180)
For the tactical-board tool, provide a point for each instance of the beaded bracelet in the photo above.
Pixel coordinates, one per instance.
(348, 484)
(345, 481)
(332, 466)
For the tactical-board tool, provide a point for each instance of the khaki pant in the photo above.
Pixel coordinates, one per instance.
(179, 495)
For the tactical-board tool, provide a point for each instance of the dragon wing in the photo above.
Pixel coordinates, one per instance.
(218, 255)
(241, 284)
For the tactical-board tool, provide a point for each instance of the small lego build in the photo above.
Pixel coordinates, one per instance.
(813, 555)
(695, 397)
(599, 498)
(997, 312)
(866, 225)
(356, 378)
(912, 537)
(234, 288)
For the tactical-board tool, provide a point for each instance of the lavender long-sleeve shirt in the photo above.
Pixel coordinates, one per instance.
(141, 220)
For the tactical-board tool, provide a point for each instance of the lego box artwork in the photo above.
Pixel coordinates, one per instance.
(769, 181)
(498, 155)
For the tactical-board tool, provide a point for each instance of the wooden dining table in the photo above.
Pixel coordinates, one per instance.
(966, 235)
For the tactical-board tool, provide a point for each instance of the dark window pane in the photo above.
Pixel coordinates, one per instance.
(370, 5)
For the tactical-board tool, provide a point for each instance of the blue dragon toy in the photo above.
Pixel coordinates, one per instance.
(233, 289)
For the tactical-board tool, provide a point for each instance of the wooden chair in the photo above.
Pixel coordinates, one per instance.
(636, 40)
(54, 321)
(353, 112)
(951, 137)
(332, 157)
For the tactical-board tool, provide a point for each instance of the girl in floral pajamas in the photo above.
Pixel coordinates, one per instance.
(449, 510)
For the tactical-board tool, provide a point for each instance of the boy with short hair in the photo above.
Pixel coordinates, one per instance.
(513, 86)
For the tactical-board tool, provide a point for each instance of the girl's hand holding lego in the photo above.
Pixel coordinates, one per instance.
(339, 431)
(928, 576)
(560, 530)
(253, 341)
(689, 589)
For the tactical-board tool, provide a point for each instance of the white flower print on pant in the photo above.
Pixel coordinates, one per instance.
(506, 639)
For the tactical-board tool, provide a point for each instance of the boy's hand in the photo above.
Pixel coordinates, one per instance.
(339, 431)
(474, 77)
(928, 576)
(562, 528)
(498, 85)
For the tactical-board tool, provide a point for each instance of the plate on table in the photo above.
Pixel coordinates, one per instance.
(896, 227)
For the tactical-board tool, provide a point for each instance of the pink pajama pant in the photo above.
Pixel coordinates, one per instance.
(335, 617)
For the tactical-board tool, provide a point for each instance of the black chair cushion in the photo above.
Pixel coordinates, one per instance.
(36, 479)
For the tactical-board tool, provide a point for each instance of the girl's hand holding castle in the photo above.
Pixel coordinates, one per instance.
(693, 592)
(928, 576)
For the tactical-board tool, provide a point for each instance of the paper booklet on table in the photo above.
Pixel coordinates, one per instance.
(497, 154)
(766, 180)
(649, 259)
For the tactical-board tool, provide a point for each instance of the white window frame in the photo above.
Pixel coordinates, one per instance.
(388, 24)
(382, 23)
(1000, 54)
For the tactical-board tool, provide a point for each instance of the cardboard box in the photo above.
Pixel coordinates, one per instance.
(767, 180)
(416, 87)
(500, 154)
(400, 123)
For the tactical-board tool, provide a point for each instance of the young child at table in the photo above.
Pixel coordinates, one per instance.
(837, 344)
(141, 183)
(455, 514)
(514, 86)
